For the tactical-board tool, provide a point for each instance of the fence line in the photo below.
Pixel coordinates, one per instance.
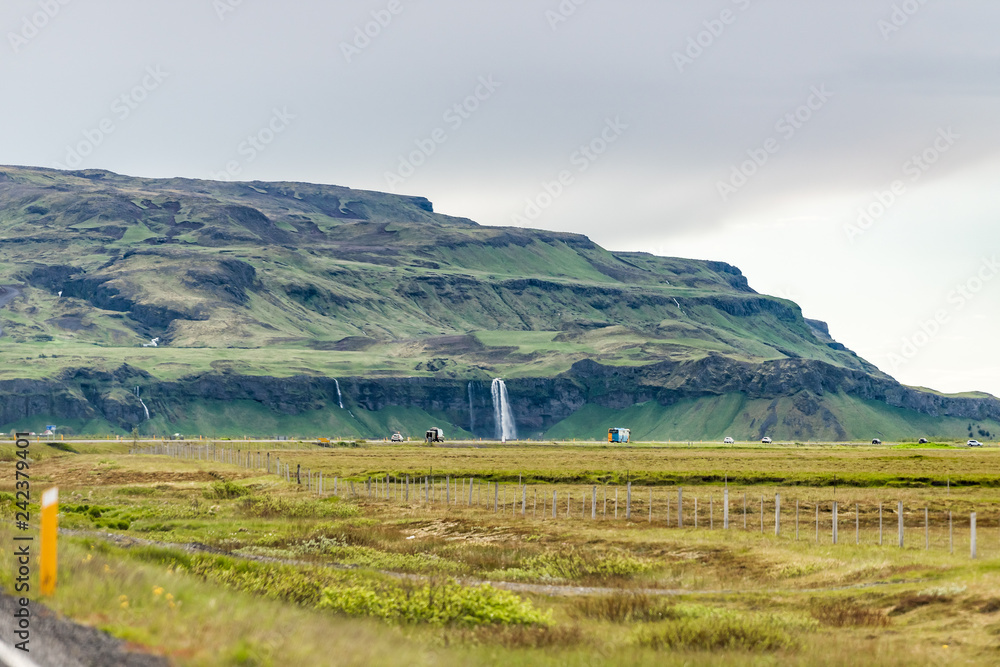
(868, 520)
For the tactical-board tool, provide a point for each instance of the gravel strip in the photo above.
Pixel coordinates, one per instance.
(59, 642)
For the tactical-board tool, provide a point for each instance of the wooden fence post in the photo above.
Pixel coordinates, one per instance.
(593, 504)
(725, 509)
(817, 523)
(972, 535)
(628, 501)
(496, 497)
(554, 504)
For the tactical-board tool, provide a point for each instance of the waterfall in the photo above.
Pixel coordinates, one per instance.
(504, 418)
(340, 399)
(142, 403)
(472, 413)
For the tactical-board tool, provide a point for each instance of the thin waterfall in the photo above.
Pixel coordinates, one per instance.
(472, 413)
(502, 415)
(141, 402)
(340, 399)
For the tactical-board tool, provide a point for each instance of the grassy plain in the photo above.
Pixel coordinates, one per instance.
(283, 576)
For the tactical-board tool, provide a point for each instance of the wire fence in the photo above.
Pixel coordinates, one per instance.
(824, 522)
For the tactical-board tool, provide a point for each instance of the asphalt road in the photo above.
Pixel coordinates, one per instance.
(59, 642)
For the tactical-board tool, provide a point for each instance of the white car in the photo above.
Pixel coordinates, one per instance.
(397, 437)
(765, 440)
(728, 441)
(974, 443)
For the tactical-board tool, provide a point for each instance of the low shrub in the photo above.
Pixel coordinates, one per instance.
(844, 613)
(721, 630)
(575, 566)
(435, 604)
(225, 490)
(623, 607)
(270, 507)
(521, 636)
(136, 491)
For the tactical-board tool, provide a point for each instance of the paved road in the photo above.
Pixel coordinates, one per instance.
(57, 641)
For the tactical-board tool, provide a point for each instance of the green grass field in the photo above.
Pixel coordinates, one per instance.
(289, 576)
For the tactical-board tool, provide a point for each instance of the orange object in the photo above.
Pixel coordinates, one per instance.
(50, 532)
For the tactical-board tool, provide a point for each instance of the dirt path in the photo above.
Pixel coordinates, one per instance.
(553, 590)
(58, 641)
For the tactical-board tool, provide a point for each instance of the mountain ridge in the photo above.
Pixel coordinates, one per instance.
(271, 281)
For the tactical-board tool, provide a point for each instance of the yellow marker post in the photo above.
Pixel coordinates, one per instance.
(50, 531)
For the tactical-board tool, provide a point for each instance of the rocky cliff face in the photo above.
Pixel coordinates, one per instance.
(538, 403)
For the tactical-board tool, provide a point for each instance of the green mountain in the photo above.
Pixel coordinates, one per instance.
(260, 295)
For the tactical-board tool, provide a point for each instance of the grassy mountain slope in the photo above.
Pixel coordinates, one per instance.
(287, 280)
(288, 267)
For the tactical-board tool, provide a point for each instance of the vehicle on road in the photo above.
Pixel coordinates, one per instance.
(974, 443)
(728, 441)
(876, 441)
(434, 434)
(397, 437)
(621, 435)
(765, 440)
(922, 441)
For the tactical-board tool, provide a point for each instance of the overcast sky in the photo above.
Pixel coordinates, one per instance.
(749, 131)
